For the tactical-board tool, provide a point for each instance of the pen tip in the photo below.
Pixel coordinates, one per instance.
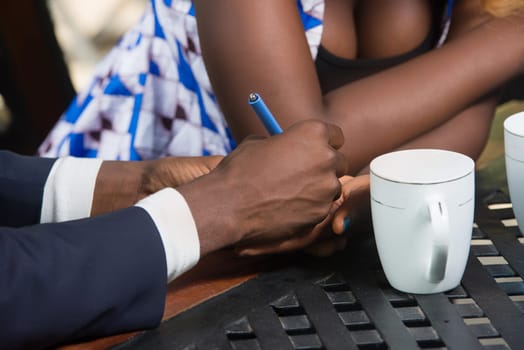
(253, 97)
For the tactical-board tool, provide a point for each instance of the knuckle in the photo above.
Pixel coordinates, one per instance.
(316, 128)
(329, 157)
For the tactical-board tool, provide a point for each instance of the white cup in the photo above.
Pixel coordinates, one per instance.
(422, 206)
(514, 150)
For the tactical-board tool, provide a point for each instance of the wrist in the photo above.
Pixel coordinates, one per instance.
(118, 185)
(214, 213)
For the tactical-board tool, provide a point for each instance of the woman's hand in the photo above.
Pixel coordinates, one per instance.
(351, 211)
(175, 171)
(353, 205)
(120, 184)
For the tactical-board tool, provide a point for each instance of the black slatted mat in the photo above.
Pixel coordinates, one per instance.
(345, 302)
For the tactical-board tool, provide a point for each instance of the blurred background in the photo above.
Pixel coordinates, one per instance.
(48, 50)
(86, 30)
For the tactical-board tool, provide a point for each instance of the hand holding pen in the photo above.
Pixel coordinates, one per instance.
(317, 242)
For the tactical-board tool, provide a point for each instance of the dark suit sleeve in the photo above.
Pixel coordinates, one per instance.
(80, 279)
(22, 181)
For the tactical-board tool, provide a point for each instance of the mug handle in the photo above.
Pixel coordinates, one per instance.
(438, 215)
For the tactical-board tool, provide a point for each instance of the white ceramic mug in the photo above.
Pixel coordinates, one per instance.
(422, 206)
(514, 150)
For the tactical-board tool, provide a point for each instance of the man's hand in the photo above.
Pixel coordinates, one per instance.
(331, 234)
(269, 189)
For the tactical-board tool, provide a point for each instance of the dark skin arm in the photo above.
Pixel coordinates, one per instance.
(474, 120)
(256, 195)
(378, 113)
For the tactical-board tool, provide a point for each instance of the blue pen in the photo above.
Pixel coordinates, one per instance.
(264, 114)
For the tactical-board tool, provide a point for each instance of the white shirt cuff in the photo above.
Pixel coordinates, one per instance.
(68, 191)
(174, 221)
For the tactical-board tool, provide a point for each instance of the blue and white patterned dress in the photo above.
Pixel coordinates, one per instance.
(151, 96)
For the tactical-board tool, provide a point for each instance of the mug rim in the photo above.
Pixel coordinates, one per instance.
(466, 166)
(421, 183)
(510, 120)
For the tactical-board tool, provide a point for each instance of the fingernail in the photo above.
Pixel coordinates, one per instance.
(347, 222)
